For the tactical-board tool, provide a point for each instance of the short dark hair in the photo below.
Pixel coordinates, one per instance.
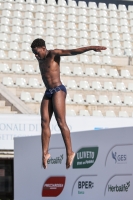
(38, 43)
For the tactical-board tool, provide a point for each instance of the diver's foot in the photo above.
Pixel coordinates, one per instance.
(70, 160)
(45, 159)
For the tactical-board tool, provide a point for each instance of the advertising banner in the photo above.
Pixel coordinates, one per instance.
(30, 125)
(102, 167)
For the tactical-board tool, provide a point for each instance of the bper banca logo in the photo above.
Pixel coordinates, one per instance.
(84, 185)
(121, 188)
(85, 157)
(119, 158)
(57, 160)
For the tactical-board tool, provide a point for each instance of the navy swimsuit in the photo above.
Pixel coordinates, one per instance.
(50, 92)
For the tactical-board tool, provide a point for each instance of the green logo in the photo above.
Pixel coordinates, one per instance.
(85, 157)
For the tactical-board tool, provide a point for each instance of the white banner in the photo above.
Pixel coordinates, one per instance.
(26, 125)
(102, 167)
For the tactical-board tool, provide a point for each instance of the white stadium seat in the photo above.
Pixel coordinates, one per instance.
(4, 67)
(29, 69)
(124, 22)
(51, 2)
(66, 70)
(114, 28)
(106, 43)
(38, 97)
(61, 17)
(50, 17)
(78, 98)
(14, 46)
(94, 42)
(17, 14)
(107, 52)
(83, 11)
(8, 81)
(40, 8)
(72, 11)
(68, 99)
(13, 55)
(96, 59)
(84, 85)
(39, 23)
(96, 85)
(84, 113)
(71, 112)
(113, 73)
(21, 82)
(15, 37)
(26, 96)
(82, 26)
(103, 13)
(61, 10)
(116, 100)
(29, 15)
(50, 31)
(83, 34)
(30, 7)
(130, 8)
(128, 100)
(5, 21)
(113, 14)
(72, 41)
(92, 20)
(123, 15)
(78, 71)
(25, 55)
(62, 3)
(62, 32)
(61, 40)
(94, 35)
(3, 45)
(72, 84)
(116, 36)
(92, 27)
(102, 6)
(39, 16)
(123, 114)
(112, 7)
(102, 72)
(104, 28)
(28, 22)
(73, 18)
(92, 12)
(130, 87)
(91, 99)
(120, 86)
(33, 82)
(108, 86)
(103, 99)
(17, 68)
(107, 60)
(103, 20)
(97, 113)
(16, 29)
(5, 29)
(83, 42)
(17, 22)
(128, 52)
(127, 45)
(84, 59)
(4, 37)
(124, 29)
(110, 113)
(72, 33)
(73, 59)
(113, 21)
(105, 35)
(90, 71)
(122, 8)
(117, 52)
(39, 31)
(125, 73)
(8, 6)
(116, 44)
(82, 4)
(51, 9)
(92, 5)
(41, 2)
(2, 54)
(27, 38)
(6, 13)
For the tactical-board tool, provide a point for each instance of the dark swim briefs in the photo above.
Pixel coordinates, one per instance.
(50, 92)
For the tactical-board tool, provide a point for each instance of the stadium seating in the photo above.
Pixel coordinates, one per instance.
(102, 79)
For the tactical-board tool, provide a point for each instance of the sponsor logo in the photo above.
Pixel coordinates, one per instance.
(83, 185)
(119, 159)
(53, 186)
(85, 157)
(57, 160)
(120, 188)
